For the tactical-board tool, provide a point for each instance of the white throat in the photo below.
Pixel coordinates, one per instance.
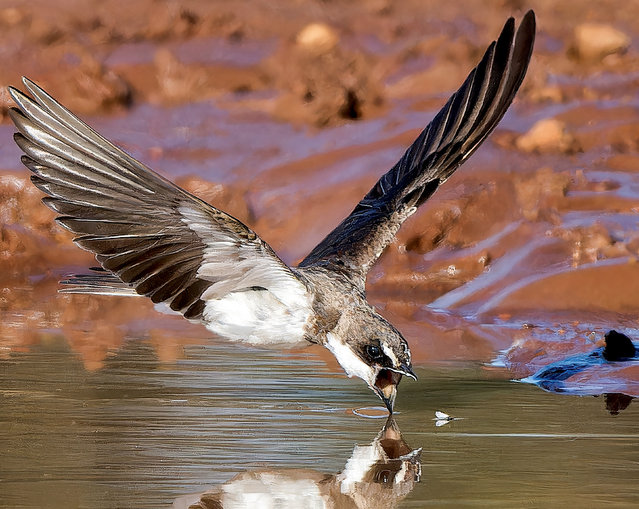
(350, 362)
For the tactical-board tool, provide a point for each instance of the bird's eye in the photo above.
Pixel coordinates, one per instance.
(373, 351)
(384, 476)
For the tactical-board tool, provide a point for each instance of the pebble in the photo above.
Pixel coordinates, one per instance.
(317, 37)
(594, 41)
(546, 135)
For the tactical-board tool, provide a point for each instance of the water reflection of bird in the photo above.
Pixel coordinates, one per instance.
(153, 238)
(377, 475)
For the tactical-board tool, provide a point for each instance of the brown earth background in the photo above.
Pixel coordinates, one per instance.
(284, 113)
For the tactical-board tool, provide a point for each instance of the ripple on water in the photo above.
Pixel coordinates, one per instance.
(372, 412)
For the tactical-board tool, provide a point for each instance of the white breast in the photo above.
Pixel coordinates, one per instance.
(358, 465)
(272, 491)
(348, 359)
(258, 317)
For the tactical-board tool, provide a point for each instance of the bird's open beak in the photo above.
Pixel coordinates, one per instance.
(386, 387)
(387, 381)
(407, 370)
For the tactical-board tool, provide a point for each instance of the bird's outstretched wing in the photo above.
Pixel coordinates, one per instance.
(453, 135)
(154, 236)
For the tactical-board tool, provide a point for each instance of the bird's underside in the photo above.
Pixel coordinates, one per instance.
(155, 239)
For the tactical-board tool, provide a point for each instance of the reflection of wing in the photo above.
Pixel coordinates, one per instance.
(162, 241)
(453, 135)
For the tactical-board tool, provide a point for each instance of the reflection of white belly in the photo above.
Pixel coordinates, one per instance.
(258, 317)
(272, 491)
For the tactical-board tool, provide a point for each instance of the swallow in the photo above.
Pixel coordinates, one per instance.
(153, 238)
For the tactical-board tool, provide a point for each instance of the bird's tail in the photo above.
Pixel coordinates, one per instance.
(98, 282)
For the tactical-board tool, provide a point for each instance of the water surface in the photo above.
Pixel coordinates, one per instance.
(142, 433)
(528, 252)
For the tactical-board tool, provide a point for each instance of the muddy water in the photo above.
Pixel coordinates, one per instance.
(141, 432)
(524, 259)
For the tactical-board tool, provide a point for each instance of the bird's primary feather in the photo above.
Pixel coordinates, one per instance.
(453, 135)
(156, 238)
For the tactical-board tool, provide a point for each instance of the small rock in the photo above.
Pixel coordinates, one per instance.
(618, 347)
(550, 93)
(5, 101)
(323, 82)
(594, 41)
(96, 87)
(43, 31)
(317, 37)
(177, 82)
(11, 16)
(547, 135)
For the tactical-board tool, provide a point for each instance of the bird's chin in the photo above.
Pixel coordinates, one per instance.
(386, 386)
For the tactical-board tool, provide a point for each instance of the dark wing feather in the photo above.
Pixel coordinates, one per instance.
(156, 238)
(453, 135)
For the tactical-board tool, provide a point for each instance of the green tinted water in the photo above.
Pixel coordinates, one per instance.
(140, 433)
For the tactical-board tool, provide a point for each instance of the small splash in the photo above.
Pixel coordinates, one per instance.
(500, 360)
(372, 412)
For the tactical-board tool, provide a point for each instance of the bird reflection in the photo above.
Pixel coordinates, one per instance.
(377, 475)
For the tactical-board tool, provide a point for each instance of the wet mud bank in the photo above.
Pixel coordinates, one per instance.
(285, 113)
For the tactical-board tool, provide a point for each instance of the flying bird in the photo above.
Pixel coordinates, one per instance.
(155, 239)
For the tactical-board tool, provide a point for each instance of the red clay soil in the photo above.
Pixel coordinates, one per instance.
(284, 113)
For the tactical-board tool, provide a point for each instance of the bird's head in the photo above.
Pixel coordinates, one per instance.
(368, 346)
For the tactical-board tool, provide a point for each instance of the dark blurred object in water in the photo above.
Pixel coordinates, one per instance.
(377, 475)
(616, 402)
(618, 347)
